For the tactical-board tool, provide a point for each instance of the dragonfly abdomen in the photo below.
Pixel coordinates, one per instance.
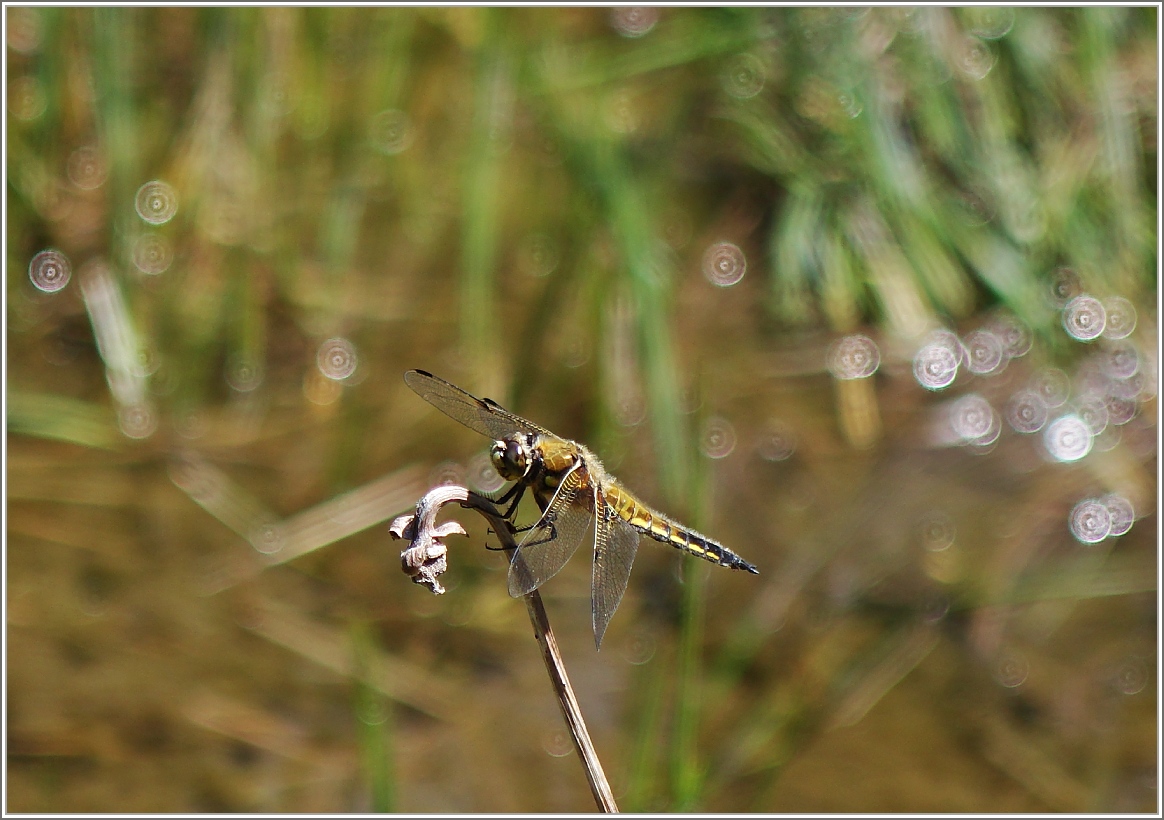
(662, 529)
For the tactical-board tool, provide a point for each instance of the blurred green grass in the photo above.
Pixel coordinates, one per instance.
(522, 200)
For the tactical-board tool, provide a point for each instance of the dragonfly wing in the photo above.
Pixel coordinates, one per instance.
(483, 415)
(553, 539)
(615, 545)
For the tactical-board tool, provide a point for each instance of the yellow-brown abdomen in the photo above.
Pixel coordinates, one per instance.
(659, 527)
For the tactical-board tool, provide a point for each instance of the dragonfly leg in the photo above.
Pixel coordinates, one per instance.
(551, 532)
(518, 491)
(494, 502)
(512, 497)
(546, 522)
(512, 531)
(498, 498)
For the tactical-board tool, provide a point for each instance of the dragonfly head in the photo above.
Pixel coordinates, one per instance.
(511, 458)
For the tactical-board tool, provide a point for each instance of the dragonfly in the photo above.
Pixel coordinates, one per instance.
(577, 497)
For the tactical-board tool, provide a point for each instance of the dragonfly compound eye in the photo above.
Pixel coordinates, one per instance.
(509, 457)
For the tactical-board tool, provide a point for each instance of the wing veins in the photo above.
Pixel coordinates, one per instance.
(552, 541)
(485, 416)
(614, 555)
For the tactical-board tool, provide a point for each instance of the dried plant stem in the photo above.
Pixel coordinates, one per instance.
(571, 712)
(425, 559)
(556, 669)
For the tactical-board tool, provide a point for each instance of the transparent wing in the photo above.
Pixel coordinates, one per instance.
(553, 539)
(615, 545)
(483, 415)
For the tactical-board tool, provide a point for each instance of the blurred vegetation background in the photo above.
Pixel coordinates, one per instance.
(718, 245)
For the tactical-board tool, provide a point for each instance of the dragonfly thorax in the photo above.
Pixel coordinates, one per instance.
(511, 458)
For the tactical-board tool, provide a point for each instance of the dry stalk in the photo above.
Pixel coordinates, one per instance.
(427, 557)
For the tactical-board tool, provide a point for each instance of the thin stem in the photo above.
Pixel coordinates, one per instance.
(555, 666)
(425, 559)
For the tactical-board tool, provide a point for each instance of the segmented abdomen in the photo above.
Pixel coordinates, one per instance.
(659, 527)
